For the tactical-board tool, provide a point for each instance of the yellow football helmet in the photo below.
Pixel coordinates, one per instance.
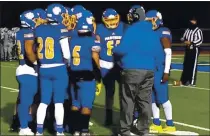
(111, 18)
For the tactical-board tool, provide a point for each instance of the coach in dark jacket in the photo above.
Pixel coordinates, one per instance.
(137, 51)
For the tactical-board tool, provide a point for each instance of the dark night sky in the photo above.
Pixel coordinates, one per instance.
(175, 14)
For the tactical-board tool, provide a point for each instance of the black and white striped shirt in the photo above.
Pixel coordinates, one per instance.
(195, 36)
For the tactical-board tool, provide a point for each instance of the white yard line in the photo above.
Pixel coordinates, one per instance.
(182, 55)
(175, 122)
(188, 125)
(198, 64)
(191, 87)
(177, 58)
(181, 70)
(13, 89)
(4, 66)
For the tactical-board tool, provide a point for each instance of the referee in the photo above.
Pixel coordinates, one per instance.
(192, 38)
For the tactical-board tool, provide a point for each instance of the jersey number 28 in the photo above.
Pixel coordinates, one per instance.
(49, 48)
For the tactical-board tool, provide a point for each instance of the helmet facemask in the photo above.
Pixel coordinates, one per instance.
(111, 22)
(153, 21)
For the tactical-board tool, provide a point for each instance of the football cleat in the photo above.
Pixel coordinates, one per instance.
(85, 134)
(155, 129)
(26, 132)
(60, 134)
(76, 133)
(168, 129)
(90, 124)
(38, 134)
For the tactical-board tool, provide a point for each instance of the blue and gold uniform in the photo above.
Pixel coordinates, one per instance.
(160, 93)
(53, 73)
(110, 33)
(83, 48)
(25, 73)
(82, 70)
(53, 53)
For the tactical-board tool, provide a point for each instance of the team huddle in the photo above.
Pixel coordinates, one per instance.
(64, 57)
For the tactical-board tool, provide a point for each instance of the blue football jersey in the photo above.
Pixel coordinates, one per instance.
(72, 33)
(109, 39)
(162, 32)
(81, 52)
(22, 35)
(48, 39)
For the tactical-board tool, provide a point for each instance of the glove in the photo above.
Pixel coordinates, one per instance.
(98, 88)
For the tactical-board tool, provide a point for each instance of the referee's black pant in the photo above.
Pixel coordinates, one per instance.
(190, 65)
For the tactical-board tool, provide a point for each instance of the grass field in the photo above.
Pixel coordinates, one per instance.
(190, 105)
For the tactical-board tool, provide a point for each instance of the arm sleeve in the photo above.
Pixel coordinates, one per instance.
(168, 54)
(65, 48)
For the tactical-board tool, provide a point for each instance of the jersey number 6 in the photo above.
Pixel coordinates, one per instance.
(76, 56)
(110, 46)
(49, 48)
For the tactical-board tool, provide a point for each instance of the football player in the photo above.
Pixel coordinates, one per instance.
(109, 34)
(52, 50)
(25, 73)
(163, 62)
(84, 49)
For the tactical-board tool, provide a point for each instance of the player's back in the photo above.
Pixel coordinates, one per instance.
(81, 53)
(21, 36)
(48, 39)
